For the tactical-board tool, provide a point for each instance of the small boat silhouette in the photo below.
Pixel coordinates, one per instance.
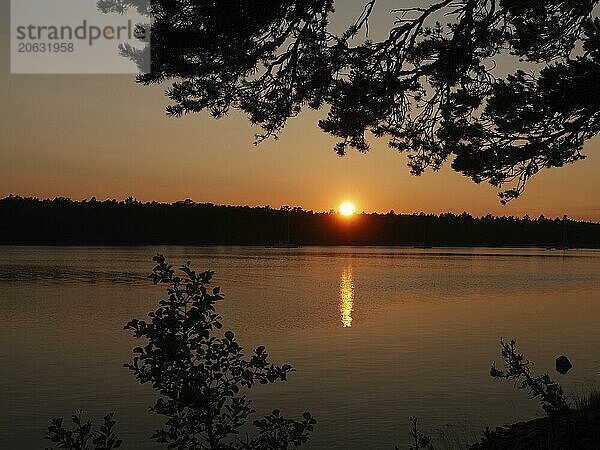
(285, 244)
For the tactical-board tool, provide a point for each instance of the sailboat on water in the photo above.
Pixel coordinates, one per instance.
(284, 244)
(424, 244)
(287, 243)
(565, 243)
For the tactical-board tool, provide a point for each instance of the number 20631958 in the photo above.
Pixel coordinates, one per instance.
(46, 47)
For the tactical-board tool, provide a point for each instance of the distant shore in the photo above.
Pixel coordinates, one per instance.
(30, 221)
(438, 249)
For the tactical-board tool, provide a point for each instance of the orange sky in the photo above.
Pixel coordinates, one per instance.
(105, 136)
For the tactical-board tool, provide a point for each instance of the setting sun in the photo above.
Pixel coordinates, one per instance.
(347, 209)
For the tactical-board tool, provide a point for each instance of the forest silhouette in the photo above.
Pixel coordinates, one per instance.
(112, 222)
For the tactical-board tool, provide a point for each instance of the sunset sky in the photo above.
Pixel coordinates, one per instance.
(105, 136)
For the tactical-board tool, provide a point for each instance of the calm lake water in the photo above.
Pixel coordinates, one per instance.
(376, 334)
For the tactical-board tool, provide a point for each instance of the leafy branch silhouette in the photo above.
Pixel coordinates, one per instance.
(518, 369)
(500, 88)
(202, 377)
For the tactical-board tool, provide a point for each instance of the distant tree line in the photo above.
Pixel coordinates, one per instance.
(130, 222)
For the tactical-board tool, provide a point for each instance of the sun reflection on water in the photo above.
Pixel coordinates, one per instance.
(346, 297)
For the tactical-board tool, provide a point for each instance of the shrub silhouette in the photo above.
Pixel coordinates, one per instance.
(518, 369)
(202, 376)
(79, 438)
(577, 428)
(420, 441)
